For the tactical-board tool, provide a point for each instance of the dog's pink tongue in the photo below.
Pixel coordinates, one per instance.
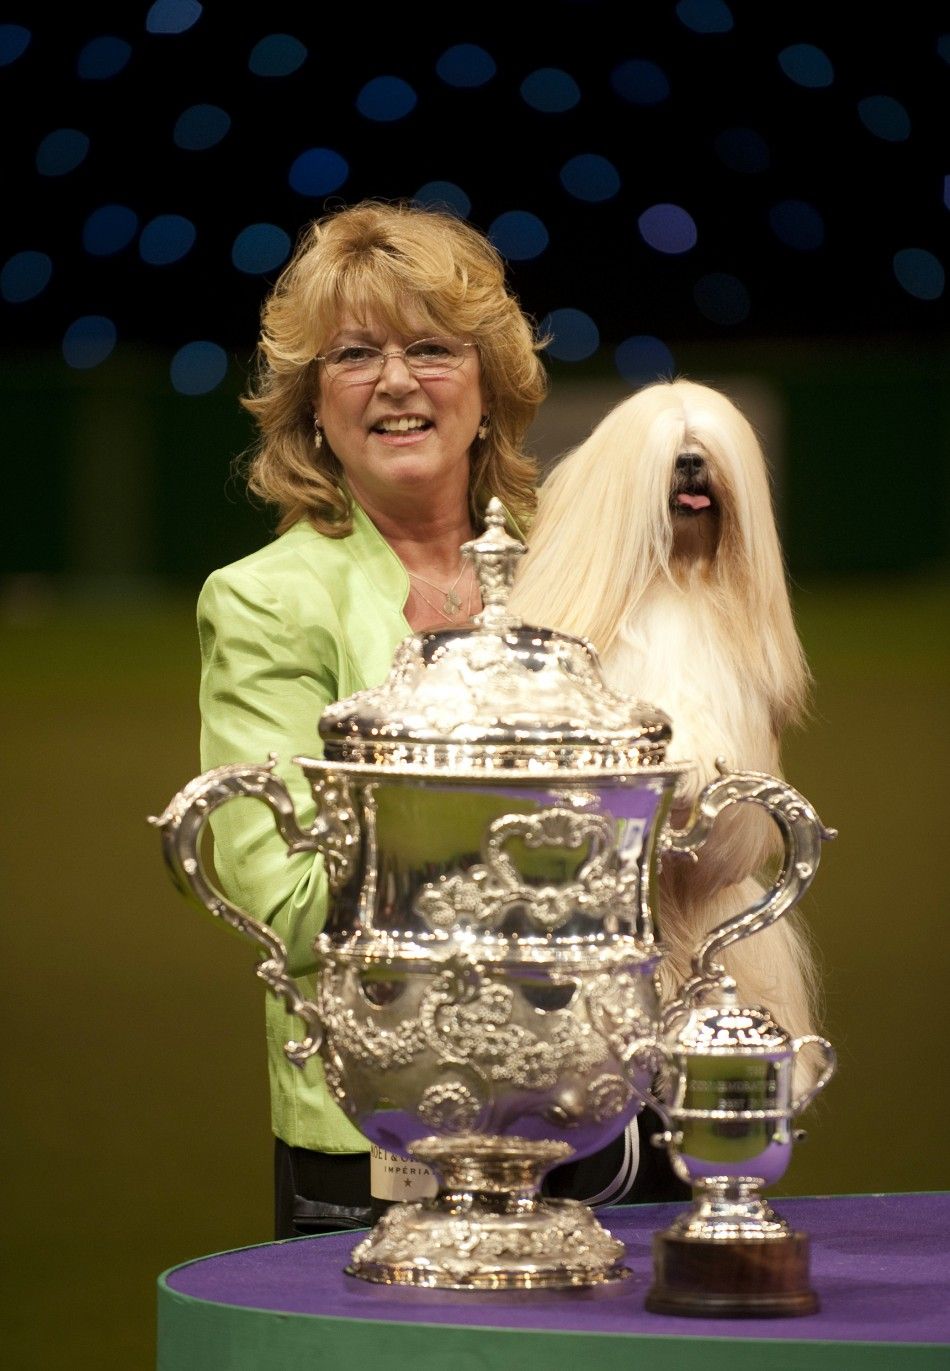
(693, 501)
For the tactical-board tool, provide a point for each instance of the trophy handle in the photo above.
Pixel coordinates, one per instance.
(831, 1061)
(334, 832)
(802, 834)
(644, 1055)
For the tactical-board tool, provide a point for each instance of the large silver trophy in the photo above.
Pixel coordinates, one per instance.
(491, 818)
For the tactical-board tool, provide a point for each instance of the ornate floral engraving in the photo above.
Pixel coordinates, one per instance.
(362, 1037)
(608, 1096)
(463, 1018)
(450, 1107)
(483, 895)
(479, 1030)
(456, 1250)
(616, 1009)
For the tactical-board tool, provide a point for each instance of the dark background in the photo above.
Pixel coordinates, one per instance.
(134, 1062)
(876, 196)
(735, 143)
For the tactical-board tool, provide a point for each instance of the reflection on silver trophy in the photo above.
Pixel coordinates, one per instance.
(492, 818)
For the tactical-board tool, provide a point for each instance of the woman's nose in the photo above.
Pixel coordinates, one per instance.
(395, 378)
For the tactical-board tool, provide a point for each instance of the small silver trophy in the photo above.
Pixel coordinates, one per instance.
(729, 1108)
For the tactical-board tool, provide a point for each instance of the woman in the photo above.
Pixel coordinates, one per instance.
(398, 380)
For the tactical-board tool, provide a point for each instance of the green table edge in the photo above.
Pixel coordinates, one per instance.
(196, 1335)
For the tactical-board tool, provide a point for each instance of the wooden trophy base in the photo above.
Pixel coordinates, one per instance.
(731, 1278)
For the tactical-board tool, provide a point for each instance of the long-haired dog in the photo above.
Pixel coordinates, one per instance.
(656, 540)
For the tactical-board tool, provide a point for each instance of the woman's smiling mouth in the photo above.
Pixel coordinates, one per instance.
(406, 423)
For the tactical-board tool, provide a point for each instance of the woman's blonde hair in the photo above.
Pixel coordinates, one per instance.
(392, 261)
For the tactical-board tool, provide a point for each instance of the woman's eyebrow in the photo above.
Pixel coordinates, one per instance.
(355, 334)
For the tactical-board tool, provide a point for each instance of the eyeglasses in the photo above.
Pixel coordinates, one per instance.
(357, 362)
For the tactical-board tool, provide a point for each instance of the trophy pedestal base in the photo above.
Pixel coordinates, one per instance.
(488, 1228)
(731, 1278)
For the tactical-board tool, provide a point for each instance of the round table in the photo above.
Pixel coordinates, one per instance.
(880, 1265)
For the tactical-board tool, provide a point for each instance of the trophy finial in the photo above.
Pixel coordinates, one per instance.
(495, 554)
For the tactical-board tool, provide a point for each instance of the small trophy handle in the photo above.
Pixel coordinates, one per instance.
(802, 834)
(831, 1061)
(334, 833)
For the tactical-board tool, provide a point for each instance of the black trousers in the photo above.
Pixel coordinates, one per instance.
(324, 1192)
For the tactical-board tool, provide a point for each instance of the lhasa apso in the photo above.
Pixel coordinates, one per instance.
(656, 540)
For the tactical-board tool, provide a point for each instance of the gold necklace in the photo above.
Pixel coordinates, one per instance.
(451, 604)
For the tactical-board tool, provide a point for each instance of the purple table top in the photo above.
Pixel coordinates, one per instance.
(879, 1264)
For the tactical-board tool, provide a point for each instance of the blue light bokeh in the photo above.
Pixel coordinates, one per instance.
(550, 90)
(318, 171)
(518, 235)
(89, 341)
(668, 228)
(25, 275)
(444, 195)
(588, 176)
(797, 224)
(920, 272)
(172, 16)
(807, 65)
(705, 16)
(102, 58)
(669, 144)
(465, 65)
(200, 127)
(109, 230)
(198, 368)
(575, 336)
(166, 239)
(386, 99)
(260, 248)
(61, 152)
(885, 117)
(14, 41)
(643, 358)
(641, 82)
(279, 54)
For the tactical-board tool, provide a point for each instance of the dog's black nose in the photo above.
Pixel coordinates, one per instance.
(690, 463)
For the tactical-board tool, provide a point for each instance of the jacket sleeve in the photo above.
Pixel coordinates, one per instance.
(265, 680)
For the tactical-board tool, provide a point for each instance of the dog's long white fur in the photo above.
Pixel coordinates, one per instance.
(690, 613)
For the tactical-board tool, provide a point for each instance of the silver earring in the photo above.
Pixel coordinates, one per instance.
(484, 426)
(317, 434)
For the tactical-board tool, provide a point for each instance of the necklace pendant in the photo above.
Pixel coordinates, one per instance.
(451, 604)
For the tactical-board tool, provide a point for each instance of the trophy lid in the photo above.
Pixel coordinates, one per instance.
(731, 1030)
(495, 694)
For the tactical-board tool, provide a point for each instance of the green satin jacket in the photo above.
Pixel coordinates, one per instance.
(301, 622)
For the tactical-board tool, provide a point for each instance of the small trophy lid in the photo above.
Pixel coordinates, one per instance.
(731, 1030)
(495, 694)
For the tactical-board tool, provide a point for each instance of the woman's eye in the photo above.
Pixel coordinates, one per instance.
(428, 347)
(351, 356)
